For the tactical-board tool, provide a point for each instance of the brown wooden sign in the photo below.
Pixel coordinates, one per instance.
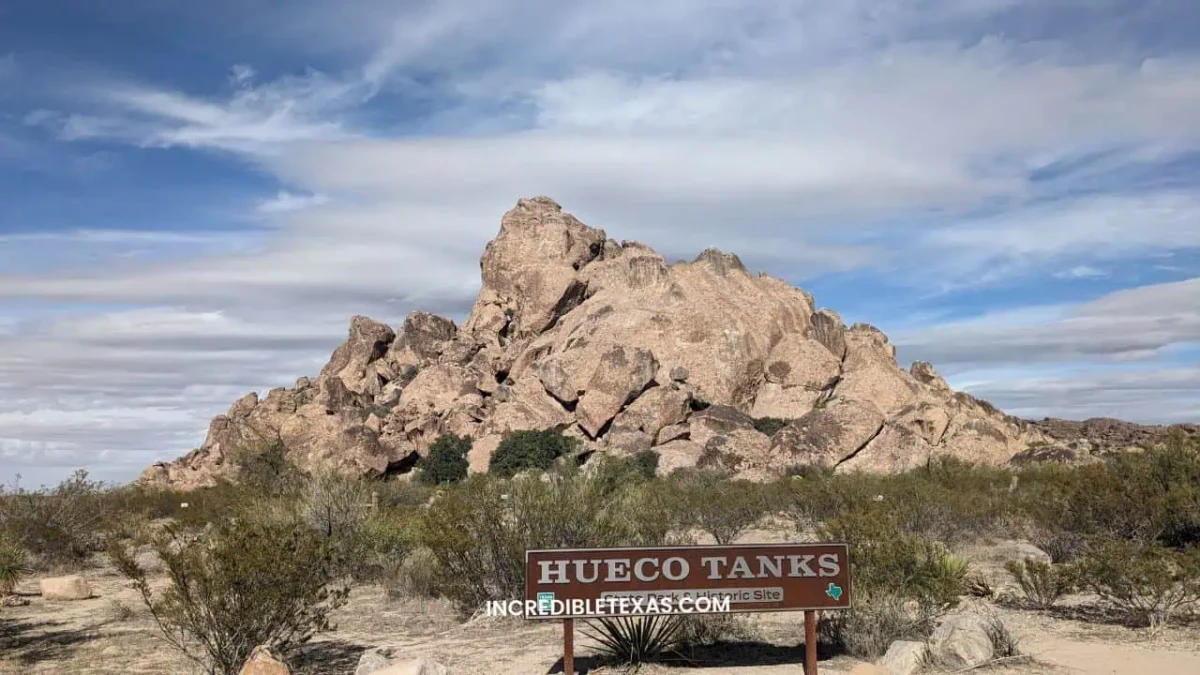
(590, 583)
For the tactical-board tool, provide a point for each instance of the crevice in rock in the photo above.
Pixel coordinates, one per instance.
(574, 296)
(403, 465)
(862, 447)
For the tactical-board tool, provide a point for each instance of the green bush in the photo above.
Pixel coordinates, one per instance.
(478, 530)
(645, 464)
(61, 526)
(526, 449)
(264, 467)
(770, 425)
(447, 460)
(14, 565)
(867, 629)
(1041, 582)
(903, 582)
(723, 508)
(1152, 496)
(1147, 583)
(247, 583)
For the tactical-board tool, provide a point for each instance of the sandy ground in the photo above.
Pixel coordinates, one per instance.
(111, 634)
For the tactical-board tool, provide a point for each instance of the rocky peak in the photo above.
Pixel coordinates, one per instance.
(606, 342)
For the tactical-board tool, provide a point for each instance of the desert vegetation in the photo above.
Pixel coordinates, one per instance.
(1120, 536)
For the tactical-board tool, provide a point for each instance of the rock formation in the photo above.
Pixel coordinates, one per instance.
(608, 342)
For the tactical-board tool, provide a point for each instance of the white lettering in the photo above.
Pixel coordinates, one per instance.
(583, 578)
(799, 566)
(775, 565)
(830, 566)
(740, 570)
(559, 571)
(618, 569)
(641, 574)
(682, 569)
(713, 562)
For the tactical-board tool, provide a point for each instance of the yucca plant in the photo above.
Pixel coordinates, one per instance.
(635, 640)
(14, 564)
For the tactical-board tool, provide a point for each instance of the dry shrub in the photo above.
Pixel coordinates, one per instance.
(1149, 584)
(1041, 582)
(60, 526)
(245, 584)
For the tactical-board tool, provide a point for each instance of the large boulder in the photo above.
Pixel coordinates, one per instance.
(352, 362)
(904, 657)
(72, 587)
(828, 435)
(962, 641)
(621, 374)
(610, 343)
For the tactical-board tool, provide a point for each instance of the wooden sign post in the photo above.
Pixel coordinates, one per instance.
(569, 646)
(569, 584)
(810, 643)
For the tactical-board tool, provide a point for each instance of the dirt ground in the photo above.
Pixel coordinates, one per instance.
(111, 634)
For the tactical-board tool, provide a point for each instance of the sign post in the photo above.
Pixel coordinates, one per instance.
(810, 643)
(569, 646)
(569, 584)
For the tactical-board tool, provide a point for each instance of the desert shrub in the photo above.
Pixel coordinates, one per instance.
(120, 611)
(337, 507)
(263, 466)
(770, 425)
(902, 582)
(868, 628)
(247, 583)
(703, 630)
(1152, 496)
(401, 494)
(526, 449)
(890, 562)
(635, 640)
(416, 576)
(14, 565)
(723, 508)
(644, 464)
(478, 531)
(1147, 583)
(381, 546)
(1005, 645)
(61, 526)
(136, 504)
(1042, 583)
(447, 460)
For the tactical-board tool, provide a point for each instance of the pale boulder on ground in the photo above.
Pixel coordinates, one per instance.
(263, 662)
(904, 657)
(72, 587)
(962, 641)
(610, 343)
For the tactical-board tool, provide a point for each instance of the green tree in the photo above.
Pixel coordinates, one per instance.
(447, 460)
(528, 449)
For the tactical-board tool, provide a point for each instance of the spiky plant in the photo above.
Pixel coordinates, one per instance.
(635, 640)
(14, 564)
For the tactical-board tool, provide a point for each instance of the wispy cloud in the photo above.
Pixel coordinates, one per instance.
(931, 145)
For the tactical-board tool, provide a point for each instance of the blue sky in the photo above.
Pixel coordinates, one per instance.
(195, 197)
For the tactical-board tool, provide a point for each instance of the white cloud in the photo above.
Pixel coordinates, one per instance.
(1135, 323)
(285, 202)
(808, 137)
(1152, 395)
